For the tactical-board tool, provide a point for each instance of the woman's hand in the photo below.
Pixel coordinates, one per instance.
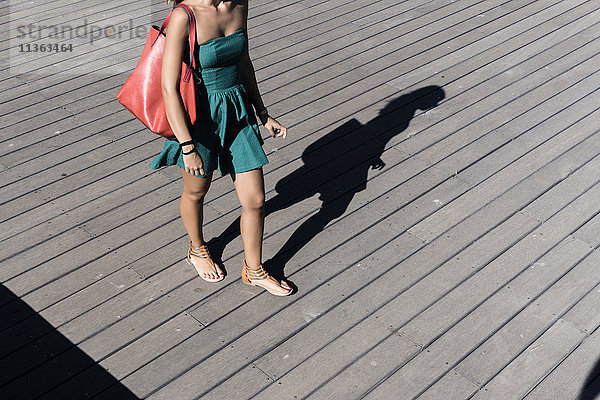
(275, 128)
(193, 163)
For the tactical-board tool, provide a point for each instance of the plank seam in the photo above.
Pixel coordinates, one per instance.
(131, 267)
(196, 319)
(582, 330)
(92, 236)
(260, 369)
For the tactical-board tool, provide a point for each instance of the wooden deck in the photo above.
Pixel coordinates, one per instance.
(436, 204)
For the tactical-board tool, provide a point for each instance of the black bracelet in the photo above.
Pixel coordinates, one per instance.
(186, 143)
(189, 152)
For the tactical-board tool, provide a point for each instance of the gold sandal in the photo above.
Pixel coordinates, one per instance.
(258, 274)
(202, 252)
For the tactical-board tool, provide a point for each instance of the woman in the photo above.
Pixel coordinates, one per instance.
(226, 135)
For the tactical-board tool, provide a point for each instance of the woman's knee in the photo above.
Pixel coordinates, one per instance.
(195, 188)
(195, 192)
(253, 201)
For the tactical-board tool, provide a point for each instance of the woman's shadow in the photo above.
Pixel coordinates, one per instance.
(336, 167)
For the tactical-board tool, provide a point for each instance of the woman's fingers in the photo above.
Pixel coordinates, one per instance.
(283, 132)
(277, 130)
(194, 165)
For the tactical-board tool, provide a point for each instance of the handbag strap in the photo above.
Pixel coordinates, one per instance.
(192, 33)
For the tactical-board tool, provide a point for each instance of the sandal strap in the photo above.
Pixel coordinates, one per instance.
(257, 273)
(201, 251)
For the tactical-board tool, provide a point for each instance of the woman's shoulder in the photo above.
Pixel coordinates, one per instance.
(179, 16)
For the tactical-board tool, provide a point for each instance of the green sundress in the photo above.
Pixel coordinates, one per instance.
(226, 132)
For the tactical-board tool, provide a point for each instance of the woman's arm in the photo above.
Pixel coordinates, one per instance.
(177, 36)
(249, 77)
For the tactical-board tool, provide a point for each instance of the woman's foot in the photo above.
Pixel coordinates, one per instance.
(257, 276)
(199, 258)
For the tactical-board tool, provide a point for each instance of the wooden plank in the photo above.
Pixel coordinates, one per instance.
(346, 42)
(332, 89)
(572, 376)
(107, 206)
(138, 353)
(539, 359)
(311, 336)
(514, 35)
(76, 330)
(10, 83)
(581, 315)
(235, 336)
(406, 195)
(451, 312)
(443, 350)
(91, 229)
(270, 366)
(374, 364)
(524, 162)
(59, 140)
(250, 380)
(69, 172)
(589, 232)
(520, 106)
(441, 323)
(88, 40)
(51, 125)
(499, 69)
(482, 364)
(59, 373)
(441, 251)
(28, 330)
(76, 235)
(80, 77)
(485, 360)
(453, 384)
(51, 269)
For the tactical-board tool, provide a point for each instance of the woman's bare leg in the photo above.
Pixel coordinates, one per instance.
(250, 190)
(191, 207)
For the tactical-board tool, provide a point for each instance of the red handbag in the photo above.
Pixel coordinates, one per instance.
(142, 93)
